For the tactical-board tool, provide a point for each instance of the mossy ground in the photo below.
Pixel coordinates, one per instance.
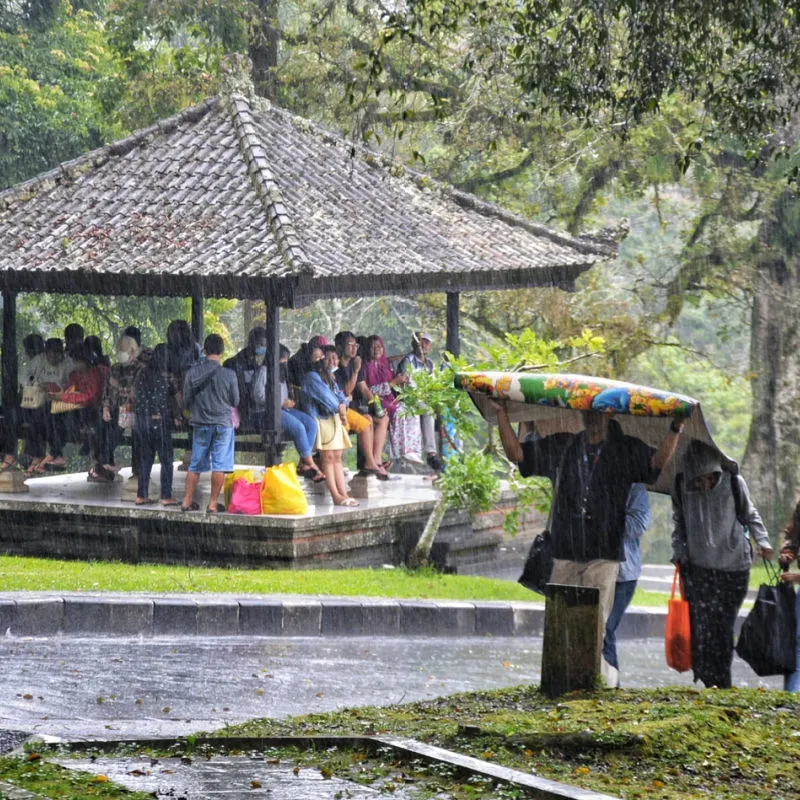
(672, 743)
(34, 773)
(667, 743)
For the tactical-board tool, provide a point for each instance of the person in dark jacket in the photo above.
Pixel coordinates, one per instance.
(594, 470)
(246, 364)
(157, 411)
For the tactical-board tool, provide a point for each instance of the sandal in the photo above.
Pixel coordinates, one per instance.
(170, 501)
(143, 501)
(349, 501)
(314, 474)
(191, 507)
(46, 464)
(220, 509)
(100, 475)
(33, 466)
(7, 465)
(381, 476)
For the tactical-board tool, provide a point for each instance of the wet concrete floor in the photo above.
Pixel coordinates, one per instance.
(120, 688)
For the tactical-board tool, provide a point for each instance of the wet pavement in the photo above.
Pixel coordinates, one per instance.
(228, 777)
(122, 688)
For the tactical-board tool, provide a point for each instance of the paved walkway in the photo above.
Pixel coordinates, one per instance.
(117, 688)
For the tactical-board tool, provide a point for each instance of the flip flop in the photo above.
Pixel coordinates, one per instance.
(33, 466)
(191, 507)
(102, 475)
(7, 465)
(381, 476)
(170, 501)
(349, 501)
(220, 509)
(142, 502)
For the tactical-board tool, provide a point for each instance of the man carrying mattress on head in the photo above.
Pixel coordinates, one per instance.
(592, 472)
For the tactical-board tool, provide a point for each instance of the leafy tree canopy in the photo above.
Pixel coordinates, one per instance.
(58, 82)
(613, 64)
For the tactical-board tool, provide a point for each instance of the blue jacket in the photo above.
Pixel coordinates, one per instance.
(637, 520)
(318, 399)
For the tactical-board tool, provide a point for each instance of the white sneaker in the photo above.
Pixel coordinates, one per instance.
(610, 674)
(414, 458)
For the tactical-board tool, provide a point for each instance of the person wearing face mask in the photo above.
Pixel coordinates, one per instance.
(52, 374)
(300, 427)
(117, 408)
(245, 364)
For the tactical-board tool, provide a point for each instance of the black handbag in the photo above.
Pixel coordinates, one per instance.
(767, 639)
(539, 564)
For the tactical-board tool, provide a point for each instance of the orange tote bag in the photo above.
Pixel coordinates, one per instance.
(677, 636)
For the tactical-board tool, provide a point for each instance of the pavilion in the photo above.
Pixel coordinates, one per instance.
(237, 198)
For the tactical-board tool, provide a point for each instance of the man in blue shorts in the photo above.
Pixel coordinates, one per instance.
(210, 392)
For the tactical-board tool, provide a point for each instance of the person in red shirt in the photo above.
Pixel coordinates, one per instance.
(84, 390)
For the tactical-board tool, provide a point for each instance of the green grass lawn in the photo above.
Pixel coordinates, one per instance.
(38, 574)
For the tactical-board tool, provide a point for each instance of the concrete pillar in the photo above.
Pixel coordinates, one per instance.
(572, 645)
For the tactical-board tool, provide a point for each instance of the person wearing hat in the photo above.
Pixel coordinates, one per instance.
(713, 515)
(416, 360)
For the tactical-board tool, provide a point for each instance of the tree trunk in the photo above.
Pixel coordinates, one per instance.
(422, 552)
(264, 49)
(772, 458)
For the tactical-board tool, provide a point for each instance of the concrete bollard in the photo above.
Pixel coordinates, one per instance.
(572, 643)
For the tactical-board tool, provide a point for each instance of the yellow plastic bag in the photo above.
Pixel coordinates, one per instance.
(281, 492)
(246, 474)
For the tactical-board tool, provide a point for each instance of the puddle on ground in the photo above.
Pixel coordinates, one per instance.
(228, 777)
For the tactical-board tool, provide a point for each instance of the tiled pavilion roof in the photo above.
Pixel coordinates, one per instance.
(233, 195)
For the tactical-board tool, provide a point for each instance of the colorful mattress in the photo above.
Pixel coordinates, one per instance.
(552, 402)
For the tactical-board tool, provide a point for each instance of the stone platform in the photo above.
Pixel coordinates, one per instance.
(64, 516)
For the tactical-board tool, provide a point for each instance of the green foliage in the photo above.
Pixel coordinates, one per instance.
(28, 574)
(107, 317)
(57, 82)
(36, 777)
(471, 481)
(472, 477)
(671, 744)
(614, 64)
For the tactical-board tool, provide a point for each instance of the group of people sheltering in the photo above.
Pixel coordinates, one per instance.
(330, 391)
(600, 510)
(70, 391)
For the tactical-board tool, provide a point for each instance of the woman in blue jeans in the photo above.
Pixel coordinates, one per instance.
(788, 554)
(301, 427)
(637, 519)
